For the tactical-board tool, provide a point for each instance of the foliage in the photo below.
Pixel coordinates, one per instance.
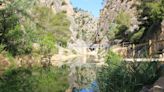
(18, 42)
(136, 36)
(113, 31)
(119, 28)
(153, 10)
(11, 33)
(34, 80)
(20, 28)
(2, 47)
(57, 24)
(64, 3)
(47, 43)
(123, 18)
(151, 15)
(8, 21)
(12, 36)
(150, 12)
(119, 76)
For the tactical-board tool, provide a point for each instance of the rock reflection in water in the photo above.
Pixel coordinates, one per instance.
(83, 75)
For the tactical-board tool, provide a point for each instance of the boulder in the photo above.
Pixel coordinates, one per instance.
(158, 85)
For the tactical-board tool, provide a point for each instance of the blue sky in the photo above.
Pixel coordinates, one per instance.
(92, 6)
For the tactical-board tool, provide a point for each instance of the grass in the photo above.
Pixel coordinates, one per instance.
(120, 76)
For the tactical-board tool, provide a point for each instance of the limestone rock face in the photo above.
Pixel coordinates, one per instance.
(58, 5)
(66, 6)
(87, 25)
(83, 24)
(111, 10)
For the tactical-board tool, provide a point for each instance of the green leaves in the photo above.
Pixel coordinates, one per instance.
(120, 76)
(22, 24)
(2, 46)
(34, 80)
(136, 36)
(57, 24)
(155, 10)
(47, 43)
(123, 18)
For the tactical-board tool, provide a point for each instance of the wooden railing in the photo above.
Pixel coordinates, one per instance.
(144, 50)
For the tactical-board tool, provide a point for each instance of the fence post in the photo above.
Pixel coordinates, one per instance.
(133, 48)
(123, 44)
(150, 48)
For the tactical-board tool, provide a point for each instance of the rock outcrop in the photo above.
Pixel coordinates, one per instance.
(87, 25)
(59, 5)
(113, 8)
(158, 85)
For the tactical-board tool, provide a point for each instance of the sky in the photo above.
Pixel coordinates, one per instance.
(93, 6)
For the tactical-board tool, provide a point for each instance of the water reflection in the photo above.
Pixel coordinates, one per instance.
(83, 64)
(83, 76)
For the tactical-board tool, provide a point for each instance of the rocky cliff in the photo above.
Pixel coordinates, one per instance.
(58, 5)
(129, 20)
(83, 24)
(113, 9)
(87, 25)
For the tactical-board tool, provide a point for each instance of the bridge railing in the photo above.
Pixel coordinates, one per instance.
(150, 49)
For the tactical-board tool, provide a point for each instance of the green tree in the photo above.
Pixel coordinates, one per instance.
(57, 24)
(24, 22)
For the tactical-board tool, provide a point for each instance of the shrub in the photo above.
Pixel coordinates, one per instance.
(2, 47)
(64, 3)
(18, 41)
(12, 34)
(56, 24)
(119, 76)
(47, 43)
(136, 36)
(41, 25)
(156, 10)
(123, 18)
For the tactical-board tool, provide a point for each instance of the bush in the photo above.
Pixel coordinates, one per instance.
(18, 42)
(34, 80)
(64, 3)
(2, 47)
(137, 36)
(119, 76)
(47, 43)
(155, 9)
(13, 37)
(41, 26)
(56, 24)
(123, 18)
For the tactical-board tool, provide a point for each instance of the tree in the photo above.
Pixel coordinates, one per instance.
(24, 22)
